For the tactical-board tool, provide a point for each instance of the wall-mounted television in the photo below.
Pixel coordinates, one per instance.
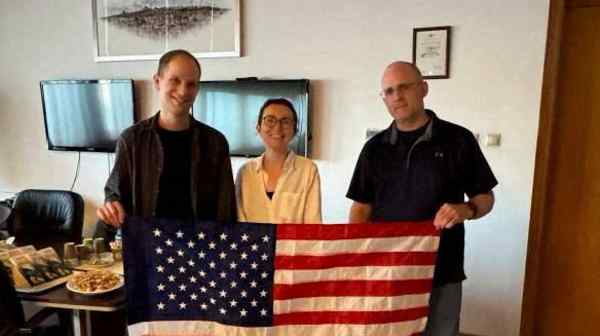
(86, 115)
(232, 107)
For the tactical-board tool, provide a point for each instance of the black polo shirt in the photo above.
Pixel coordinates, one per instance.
(410, 182)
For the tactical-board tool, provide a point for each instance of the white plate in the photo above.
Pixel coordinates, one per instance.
(44, 286)
(120, 284)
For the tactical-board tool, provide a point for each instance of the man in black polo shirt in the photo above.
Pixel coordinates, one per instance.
(171, 165)
(421, 168)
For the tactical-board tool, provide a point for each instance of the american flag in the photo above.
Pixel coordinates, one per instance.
(209, 278)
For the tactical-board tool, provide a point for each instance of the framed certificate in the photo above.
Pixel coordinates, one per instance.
(431, 51)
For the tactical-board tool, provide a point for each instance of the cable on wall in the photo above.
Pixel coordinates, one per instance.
(76, 170)
(108, 162)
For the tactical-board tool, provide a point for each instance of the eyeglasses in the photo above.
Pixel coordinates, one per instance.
(400, 89)
(271, 122)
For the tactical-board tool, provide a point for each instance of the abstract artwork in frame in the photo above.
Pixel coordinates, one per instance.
(130, 30)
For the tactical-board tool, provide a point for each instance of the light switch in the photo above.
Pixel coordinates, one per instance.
(492, 139)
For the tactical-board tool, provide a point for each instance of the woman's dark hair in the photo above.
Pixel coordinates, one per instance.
(279, 101)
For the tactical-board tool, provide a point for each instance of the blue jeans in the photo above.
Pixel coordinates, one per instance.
(444, 310)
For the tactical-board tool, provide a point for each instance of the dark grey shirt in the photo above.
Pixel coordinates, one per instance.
(135, 178)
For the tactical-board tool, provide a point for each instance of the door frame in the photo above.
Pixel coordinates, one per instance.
(546, 134)
(546, 127)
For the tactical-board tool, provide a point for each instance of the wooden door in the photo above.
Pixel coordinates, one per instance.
(562, 290)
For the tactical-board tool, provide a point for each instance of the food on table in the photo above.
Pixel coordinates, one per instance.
(94, 281)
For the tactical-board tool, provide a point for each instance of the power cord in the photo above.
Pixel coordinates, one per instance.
(108, 162)
(76, 170)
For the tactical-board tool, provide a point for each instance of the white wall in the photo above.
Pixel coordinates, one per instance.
(342, 46)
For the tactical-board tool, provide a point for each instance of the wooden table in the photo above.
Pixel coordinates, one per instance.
(81, 306)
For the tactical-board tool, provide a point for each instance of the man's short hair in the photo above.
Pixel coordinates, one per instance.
(166, 58)
(411, 65)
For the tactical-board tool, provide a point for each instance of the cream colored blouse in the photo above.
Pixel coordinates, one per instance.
(297, 196)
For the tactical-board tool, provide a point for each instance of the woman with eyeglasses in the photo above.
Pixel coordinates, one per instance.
(278, 186)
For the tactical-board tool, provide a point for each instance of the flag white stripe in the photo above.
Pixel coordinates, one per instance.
(351, 303)
(290, 247)
(205, 328)
(354, 273)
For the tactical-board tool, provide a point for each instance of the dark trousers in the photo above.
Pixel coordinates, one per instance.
(444, 310)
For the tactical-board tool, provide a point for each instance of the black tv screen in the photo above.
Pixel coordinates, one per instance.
(86, 115)
(232, 107)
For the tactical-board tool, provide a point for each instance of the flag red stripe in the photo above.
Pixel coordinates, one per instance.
(355, 259)
(352, 288)
(354, 231)
(350, 317)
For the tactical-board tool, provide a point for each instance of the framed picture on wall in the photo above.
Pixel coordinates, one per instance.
(431, 51)
(131, 30)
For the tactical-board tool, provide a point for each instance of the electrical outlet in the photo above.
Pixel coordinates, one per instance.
(492, 139)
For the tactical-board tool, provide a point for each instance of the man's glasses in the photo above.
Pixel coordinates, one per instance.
(400, 89)
(271, 122)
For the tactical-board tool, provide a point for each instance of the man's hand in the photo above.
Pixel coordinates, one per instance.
(112, 213)
(451, 214)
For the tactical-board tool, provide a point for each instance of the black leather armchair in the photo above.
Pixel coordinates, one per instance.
(47, 218)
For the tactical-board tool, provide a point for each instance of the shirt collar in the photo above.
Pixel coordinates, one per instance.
(290, 161)
(391, 136)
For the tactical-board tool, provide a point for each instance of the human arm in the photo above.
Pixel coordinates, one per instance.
(362, 189)
(360, 212)
(451, 214)
(312, 207)
(239, 193)
(478, 180)
(226, 195)
(117, 189)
